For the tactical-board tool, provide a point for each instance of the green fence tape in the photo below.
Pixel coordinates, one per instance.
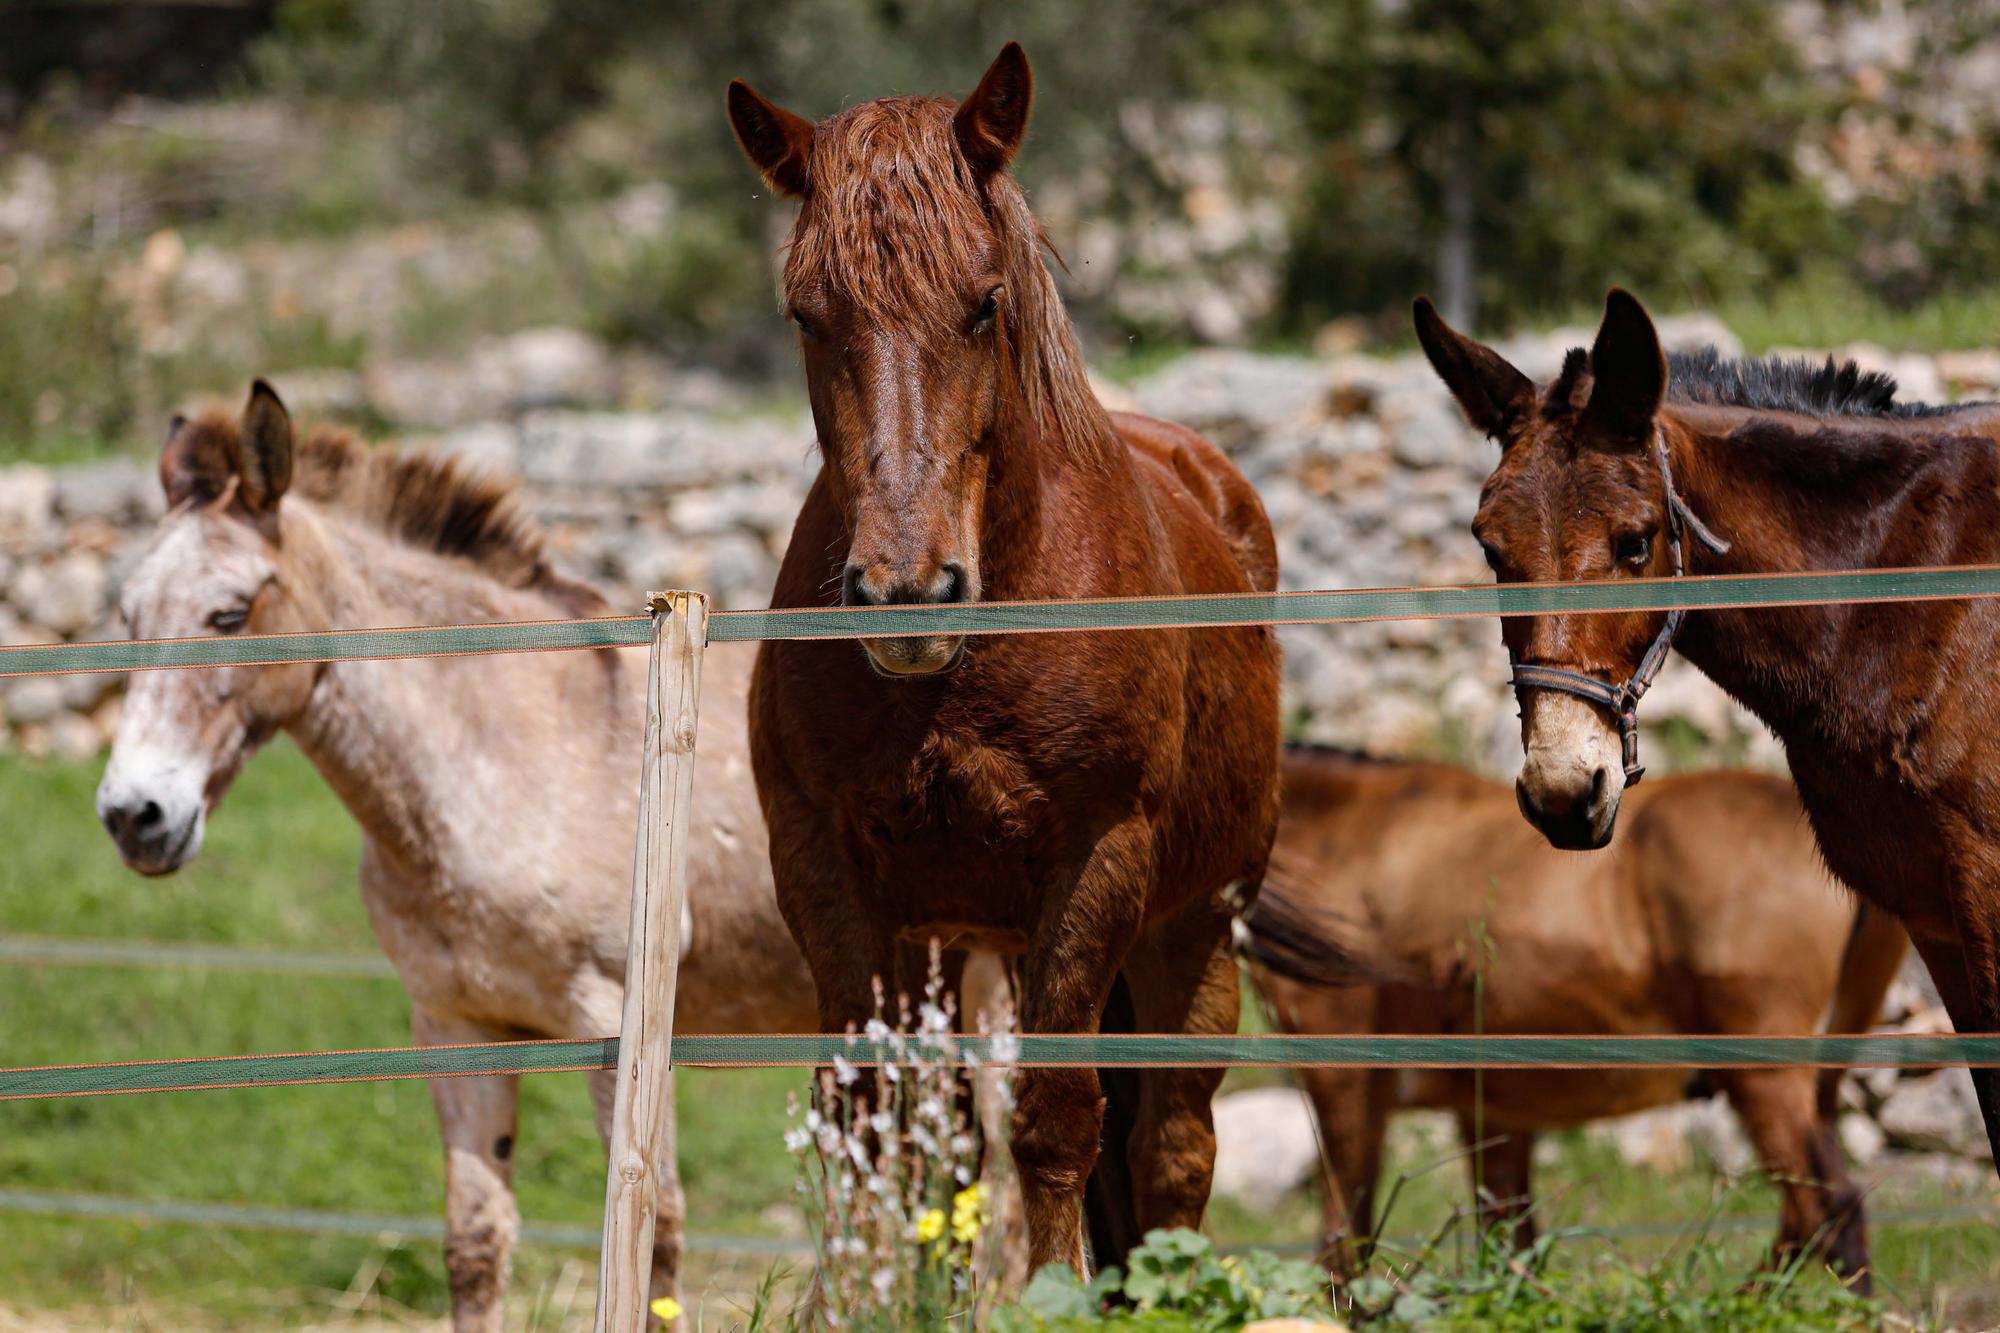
(1273, 1051)
(1708, 592)
(326, 646)
(60, 951)
(1279, 608)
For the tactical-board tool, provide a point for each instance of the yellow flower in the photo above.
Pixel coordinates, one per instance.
(667, 1309)
(930, 1226)
(968, 1213)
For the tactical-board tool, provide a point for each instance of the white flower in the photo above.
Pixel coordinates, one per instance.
(884, 1279)
(892, 1073)
(797, 1140)
(1006, 1048)
(963, 1175)
(844, 1073)
(877, 1030)
(882, 1122)
(961, 1144)
(932, 1108)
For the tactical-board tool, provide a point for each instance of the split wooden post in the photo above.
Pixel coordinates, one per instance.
(652, 959)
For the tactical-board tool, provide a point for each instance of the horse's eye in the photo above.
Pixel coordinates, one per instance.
(805, 325)
(228, 622)
(988, 308)
(1634, 549)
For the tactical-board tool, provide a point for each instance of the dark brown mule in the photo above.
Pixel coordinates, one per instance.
(1084, 800)
(1710, 914)
(1887, 712)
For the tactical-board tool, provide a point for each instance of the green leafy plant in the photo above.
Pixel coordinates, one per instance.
(1174, 1273)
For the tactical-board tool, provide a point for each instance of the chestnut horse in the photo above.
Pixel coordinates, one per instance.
(1086, 801)
(1711, 914)
(1634, 464)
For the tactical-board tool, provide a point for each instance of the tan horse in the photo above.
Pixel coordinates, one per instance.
(1710, 914)
(496, 794)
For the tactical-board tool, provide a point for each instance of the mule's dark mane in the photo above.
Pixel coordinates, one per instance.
(1771, 383)
(434, 504)
(1788, 384)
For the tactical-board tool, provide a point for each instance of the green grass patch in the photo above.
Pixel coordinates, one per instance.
(279, 872)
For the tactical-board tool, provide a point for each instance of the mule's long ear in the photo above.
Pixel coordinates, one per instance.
(1628, 371)
(264, 458)
(778, 142)
(1494, 394)
(195, 464)
(990, 124)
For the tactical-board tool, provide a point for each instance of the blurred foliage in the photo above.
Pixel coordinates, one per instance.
(1695, 150)
(1650, 143)
(1655, 143)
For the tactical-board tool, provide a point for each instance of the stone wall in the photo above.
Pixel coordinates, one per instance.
(1368, 471)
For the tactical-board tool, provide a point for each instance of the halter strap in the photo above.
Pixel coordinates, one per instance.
(1622, 700)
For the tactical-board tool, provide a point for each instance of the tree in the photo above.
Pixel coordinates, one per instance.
(1518, 155)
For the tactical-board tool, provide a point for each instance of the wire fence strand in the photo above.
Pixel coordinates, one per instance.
(1349, 606)
(1272, 1051)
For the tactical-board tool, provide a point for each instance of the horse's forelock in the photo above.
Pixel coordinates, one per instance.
(897, 223)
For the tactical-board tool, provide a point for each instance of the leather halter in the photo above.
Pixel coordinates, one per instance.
(1622, 700)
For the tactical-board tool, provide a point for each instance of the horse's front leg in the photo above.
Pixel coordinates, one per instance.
(1075, 952)
(1183, 978)
(670, 1203)
(1966, 972)
(477, 1116)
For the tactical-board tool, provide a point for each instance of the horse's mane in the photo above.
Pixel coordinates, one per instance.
(1790, 384)
(897, 223)
(1770, 383)
(435, 504)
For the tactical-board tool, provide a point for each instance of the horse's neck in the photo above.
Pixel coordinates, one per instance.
(1857, 496)
(391, 737)
(1037, 473)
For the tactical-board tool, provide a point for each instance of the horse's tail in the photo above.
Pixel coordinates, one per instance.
(1874, 953)
(1278, 929)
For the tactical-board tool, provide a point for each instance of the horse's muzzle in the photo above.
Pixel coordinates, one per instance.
(154, 834)
(930, 655)
(1581, 825)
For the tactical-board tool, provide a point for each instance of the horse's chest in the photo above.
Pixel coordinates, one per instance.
(954, 797)
(1878, 835)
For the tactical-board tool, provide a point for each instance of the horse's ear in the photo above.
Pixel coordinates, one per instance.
(1628, 371)
(776, 141)
(195, 464)
(264, 458)
(991, 123)
(1493, 393)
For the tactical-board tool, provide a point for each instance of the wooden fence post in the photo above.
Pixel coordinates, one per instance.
(652, 958)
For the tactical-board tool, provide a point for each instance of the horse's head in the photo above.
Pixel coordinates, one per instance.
(214, 567)
(1577, 494)
(913, 276)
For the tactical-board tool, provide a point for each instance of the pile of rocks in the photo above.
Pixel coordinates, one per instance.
(1368, 471)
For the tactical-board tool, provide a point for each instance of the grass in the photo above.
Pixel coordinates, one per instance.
(279, 873)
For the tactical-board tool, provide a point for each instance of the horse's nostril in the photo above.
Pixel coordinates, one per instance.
(854, 590)
(150, 815)
(954, 586)
(1597, 787)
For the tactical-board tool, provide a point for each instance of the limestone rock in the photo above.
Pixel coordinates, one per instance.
(1266, 1145)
